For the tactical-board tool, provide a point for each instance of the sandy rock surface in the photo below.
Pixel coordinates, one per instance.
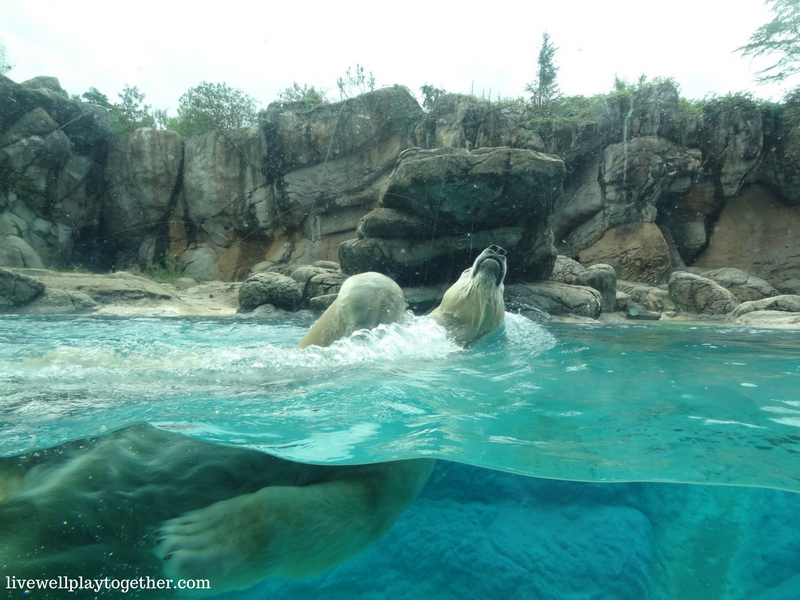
(123, 294)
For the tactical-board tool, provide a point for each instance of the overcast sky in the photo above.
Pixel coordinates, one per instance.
(164, 48)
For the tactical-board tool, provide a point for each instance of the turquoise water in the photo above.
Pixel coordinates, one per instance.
(597, 403)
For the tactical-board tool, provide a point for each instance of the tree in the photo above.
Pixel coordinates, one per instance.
(355, 84)
(781, 36)
(309, 95)
(544, 88)
(213, 107)
(430, 95)
(131, 113)
(5, 66)
(94, 96)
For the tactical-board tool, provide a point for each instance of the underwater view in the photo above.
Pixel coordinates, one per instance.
(534, 423)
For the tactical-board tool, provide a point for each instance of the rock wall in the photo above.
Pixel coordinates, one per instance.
(641, 185)
(53, 154)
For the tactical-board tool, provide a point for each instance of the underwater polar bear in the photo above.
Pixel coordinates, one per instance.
(98, 508)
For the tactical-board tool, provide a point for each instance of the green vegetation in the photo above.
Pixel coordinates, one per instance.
(308, 94)
(207, 107)
(131, 113)
(166, 273)
(354, 84)
(781, 37)
(94, 96)
(215, 107)
(5, 66)
(544, 88)
(212, 107)
(430, 95)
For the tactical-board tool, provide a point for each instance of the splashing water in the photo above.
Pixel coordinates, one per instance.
(655, 402)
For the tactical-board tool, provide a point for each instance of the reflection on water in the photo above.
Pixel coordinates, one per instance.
(656, 402)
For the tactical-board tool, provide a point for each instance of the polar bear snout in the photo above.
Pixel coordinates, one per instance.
(491, 261)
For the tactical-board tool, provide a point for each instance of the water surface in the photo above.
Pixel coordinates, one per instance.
(641, 402)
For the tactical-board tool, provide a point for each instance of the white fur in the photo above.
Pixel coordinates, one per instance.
(473, 306)
(101, 507)
(364, 302)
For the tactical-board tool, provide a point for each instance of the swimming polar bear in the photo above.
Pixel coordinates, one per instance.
(146, 503)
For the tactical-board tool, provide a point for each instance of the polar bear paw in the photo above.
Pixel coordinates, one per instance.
(227, 543)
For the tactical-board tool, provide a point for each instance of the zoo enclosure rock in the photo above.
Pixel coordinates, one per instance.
(269, 288)
(292, 189)
(143, 176)
(601, 277)
(695, 294)
(459, 197)
(17, 289)
(741, 284)
(786, 303)
(553, 298)
(52, 160)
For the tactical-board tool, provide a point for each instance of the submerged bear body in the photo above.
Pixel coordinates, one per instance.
(144, 502)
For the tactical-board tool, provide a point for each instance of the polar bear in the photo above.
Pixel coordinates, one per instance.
(147, 503)
(364, 302)
(473, 306)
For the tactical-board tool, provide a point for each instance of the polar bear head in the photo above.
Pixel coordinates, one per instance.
(473, 306)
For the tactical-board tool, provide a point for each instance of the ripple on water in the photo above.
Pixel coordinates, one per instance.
(596, 403)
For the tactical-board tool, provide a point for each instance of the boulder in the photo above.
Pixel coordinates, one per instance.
(644, 297)
(56, 301)
(14, 252)
(459, 198)
(327, 264)
(52, 160)
(757, 233)
(636, 252)
(464, 121)
(269, 288)
(785, 303)
(17, 290)
(321, 303)
(335, 155)
(743, 285)
(43, 82)
(390, 223)
(695, 294)
(457, 191)
(554, 298)
(583, 199)
(225, 194)
(87, 290)
(776, 319)
(601, 277)
(411, 263)
(318, 281)
(566, 270)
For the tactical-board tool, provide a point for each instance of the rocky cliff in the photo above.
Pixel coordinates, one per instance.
(376, 183)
